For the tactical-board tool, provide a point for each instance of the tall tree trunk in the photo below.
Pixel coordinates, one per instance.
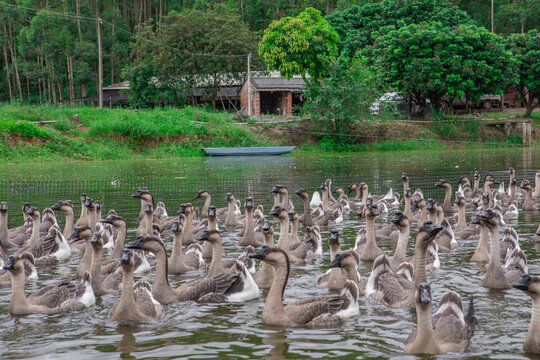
(7, 71)
(13, 59)
(78, 9)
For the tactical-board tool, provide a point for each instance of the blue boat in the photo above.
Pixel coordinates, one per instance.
(249, 151)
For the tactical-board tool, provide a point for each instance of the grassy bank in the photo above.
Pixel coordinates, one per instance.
(49, 132)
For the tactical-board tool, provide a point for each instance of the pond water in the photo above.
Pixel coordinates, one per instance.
(191, 330)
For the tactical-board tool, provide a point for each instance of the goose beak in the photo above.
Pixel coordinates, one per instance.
(537, 233)
(274, 190)
(182, 209)
(260, 253)
(439, 184)
(95, 239)
(457, 201)
(424, 293)
(396, 219)
(299, 191)
(523, 283)
(203, 236)
(174, 227)
(30, 210)
(147, 208)
(124, 258)
(109, 220)
(198, 196)
(211, 211)
(336, 261)
(275, 211)
(403, 176)
(334, 237)
(83, 197)
(10, 263)
(55, 207)
(137, 244)
(3, 206)
(475, 220)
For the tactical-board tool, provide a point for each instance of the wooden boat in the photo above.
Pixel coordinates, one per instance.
(249, 151)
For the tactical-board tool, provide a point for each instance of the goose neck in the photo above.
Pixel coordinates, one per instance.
(352, 273)
(334, 249)
(462, 222)
(285, 200)
(250, 227)
(535, 314)
(527, 203)
(494, 246)
(420, 275)
(212, 223)
(120, 241)
(95, 270)
(92, 219)
(370, 229)
(68, 228)
(207, 202)
(18, 297)
(283, 240)
(177, 248)
(447, 197)
(86, 260)
(294, 231)
(273, 306)
(4, 229)
(161, 283)
(216, 266)
(401, 247)
(425, 324)
(34, 238)
(148, 220)
(127, 299)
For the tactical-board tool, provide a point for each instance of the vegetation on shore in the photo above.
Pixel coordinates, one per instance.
(48, 132)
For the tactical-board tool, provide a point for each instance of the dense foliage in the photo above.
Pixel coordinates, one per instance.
(430, 60)
(526, 51)
(301, 45)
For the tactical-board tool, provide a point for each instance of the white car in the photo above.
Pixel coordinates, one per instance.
(388, 101)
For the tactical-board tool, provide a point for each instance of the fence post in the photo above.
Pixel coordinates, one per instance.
(527, 130)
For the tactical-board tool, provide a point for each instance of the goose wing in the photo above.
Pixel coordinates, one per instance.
(146, 302)
(54, 295)
(194, 290)
(305, 310)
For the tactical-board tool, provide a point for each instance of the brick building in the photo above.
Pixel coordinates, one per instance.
(272, 94)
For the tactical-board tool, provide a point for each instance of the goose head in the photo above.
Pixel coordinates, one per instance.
(418, 204)
(279, 189)
(270, 254)
(89, 203)
(176, 227)
(185, 209)
(426, 233)
(14, 264)
(344, 260)
(96, 241)
(443, 183)
(529, 284)
(334, 237)
(490, 218)
(212, 236)
(407, 194)
(302, 193)
(464, 179)
(229, 198)
(430, 204)
(293, 216)
(511, 172)
(485, 198)
(513, 183)
(353, 187)
(460, 201)
(371, 211)
(339, 190)
(114, 219)
(33, 212)
(278, 212)
(148, 243)
(211, 212)
(148, 208)
(126, 260)
(267, 228)
(248, 204)
(490, 179)
(400, 220)
(64, 207)
(201, 194)
(3, 207)
(525, 185)
(476, 175)
(81, 233)
(404, 177)
(423, 295)
(364, 186)
(98, 204)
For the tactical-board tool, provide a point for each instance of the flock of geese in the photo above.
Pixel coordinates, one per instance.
(400, 281)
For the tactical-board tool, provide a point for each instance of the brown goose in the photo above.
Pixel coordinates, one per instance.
(162, 290)
(530, 285)
(265, 275)
(109, 284)
(178, 262)
(136, 302)
(249, 237)
(120, 225)
(306, 217)
(146, 198)
(187, 234)
(63, 296)
(322, 311)
(48, 219)
(66, 208)
(422, 205)
(83, 217)
(385, 287)
(231, 218)
(447, 202)
(369, 250)
(536, 193)
(528, 203)
(82, 235)
(51, 249)
(496, 276)
(450, 330)
(5, 242)
(30, 272)
(221, 212)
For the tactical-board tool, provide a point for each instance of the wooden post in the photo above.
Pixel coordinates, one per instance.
(527, 133)
(249, 83)
(100, 64)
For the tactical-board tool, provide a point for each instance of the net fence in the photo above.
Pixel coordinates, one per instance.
(173, 192)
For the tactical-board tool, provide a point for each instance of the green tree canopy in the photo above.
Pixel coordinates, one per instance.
(360, 25)
(526, 51)
(301, 45)
(431, 59)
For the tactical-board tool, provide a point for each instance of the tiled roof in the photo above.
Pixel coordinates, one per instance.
(277, 84)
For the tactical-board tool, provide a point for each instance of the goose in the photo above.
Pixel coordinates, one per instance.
(481, 254)
(369, 250)
(343, 268)
(63, 296)
(136, 302)
(422, 205)
(33, 214)
(461, 223)
(249, 237)
(306, 218)
(83, 217)
(221, 212)
(161, 211)
(530, 285)
(178, 262)
(265, 275)
(496, 277)
(30, 272)
(5, 242)
(48, 219)
(146, 198)
(447, 202)
(91, 213)
(528, 203)
(109, 284)
(244, 288)
(450, 330)
(357, 200)
(536, 193)
(407, 195)
(536, 236)
(119, 223)
(212, 225)
(187, 234)
(66, 208)
(512, 211)
(330, 218)
(489, 180)
(446, 239)
(82, 235)
(405, 181)
(322, 311)
(466, 186)
(509, 242)
(162, 290)
(52, 249)
(107, 232)
(231, 218)
(387, 288)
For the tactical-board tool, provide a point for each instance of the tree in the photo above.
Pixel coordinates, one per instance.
(526, 50)
(337, 102)
(359, 26)
(431, 59)
(301, 45)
